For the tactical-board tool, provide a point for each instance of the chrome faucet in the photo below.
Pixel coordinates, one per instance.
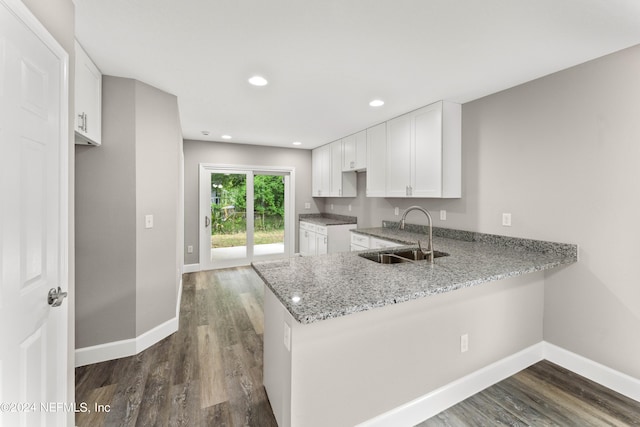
(428, 252)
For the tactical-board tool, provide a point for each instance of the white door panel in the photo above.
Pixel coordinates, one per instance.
(33, 91)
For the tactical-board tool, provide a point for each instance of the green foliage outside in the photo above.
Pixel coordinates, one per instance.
(228, 209)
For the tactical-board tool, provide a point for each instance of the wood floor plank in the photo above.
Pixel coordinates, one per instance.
(614, 404)
(254, 312)
(572, 404)
(154, 406)
(212, 370)
(98, 406)
(185, 408)
(533, 406)
(218, 415)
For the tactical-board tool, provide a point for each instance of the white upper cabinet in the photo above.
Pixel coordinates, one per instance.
(328, 180)
(354, 152)
(418, 154)
(321, 171)
(376, 160)
(424, 152)
(88, 100)
(398, 156)
(336, 169)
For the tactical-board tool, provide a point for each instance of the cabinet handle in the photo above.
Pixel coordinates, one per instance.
(325, 240)
(82, 122)
(352, 165)
(85, 123)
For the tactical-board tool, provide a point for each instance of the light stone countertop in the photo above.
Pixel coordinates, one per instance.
(329, 286)
(328, 219)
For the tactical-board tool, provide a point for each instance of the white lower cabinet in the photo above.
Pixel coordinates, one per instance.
(315, 239)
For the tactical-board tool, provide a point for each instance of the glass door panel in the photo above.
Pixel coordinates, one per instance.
(269, 214)
(229, 237)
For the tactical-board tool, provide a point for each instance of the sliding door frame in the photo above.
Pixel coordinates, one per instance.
(204, 210)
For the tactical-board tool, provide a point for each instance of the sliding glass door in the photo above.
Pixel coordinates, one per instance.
(244, 215)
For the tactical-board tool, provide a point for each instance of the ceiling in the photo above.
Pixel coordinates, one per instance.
(326, 59)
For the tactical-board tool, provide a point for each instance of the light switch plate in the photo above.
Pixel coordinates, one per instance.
(307, 205)
(148, 221)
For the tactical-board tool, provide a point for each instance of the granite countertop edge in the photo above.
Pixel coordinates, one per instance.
(474, 259)
(328, 219)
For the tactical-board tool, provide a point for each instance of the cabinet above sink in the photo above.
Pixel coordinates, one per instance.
(418, 154)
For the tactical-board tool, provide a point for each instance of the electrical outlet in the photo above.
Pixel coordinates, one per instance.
(331, 206)
(464, 343)
(190, 249)
(443, 215)
(148, 221)
(396, 211)
(506, 219)
(349, 207)
(307, 205)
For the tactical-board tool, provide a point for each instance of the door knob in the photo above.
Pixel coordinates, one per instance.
(55, 297)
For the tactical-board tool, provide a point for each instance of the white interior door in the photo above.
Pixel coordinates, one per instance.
(33, 218)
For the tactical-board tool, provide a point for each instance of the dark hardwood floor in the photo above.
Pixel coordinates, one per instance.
(544, 394)
(209, 373)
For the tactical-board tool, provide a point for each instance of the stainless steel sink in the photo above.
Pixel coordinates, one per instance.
(400, 257)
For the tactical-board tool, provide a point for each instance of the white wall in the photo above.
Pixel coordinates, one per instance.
(561, 155)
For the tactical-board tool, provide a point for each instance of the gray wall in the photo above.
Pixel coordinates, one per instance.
(561, 155)
(158, 170)
(127, 275)
(196, 152)
(58, 17)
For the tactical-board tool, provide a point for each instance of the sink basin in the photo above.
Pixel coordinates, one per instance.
(399, 257)
(416, 255)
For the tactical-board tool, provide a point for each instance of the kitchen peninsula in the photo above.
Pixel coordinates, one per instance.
(347, 339)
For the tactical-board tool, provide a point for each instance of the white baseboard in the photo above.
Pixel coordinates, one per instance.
(596, 372)
(438, 400)
(117, 349)
(191, 268)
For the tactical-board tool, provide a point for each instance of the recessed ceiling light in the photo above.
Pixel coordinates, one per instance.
(377, 103)
(297, 143)
(226, 137)
(258, 81)
(205, 132)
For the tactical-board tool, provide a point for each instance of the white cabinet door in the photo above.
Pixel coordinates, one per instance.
(376, 160)
(424, 152)
(399, 156)
(321, 244)
(426, 170)
(336, 169)
(88, 100)
(303, 241)
(321, 171)
(349, 153)
(316, 172)
(354, 152)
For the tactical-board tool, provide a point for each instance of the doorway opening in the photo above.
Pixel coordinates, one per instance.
(245, 214)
